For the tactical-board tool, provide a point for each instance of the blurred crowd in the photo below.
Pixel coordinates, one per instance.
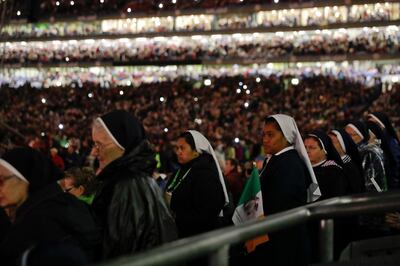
(47, 8)
(236, 46)
(227, 109)
(206, 22)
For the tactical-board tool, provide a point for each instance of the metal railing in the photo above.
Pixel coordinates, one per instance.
(216, 243)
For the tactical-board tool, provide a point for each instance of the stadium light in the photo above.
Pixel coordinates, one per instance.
(72, 3)
(61, 126)
(237, 140)
(18, 13)
(160, 5)
(166, 130)
(57, 3)
(173, 1)
(43, 100)
(90, 95)
(101, 1)
(162, 99)
(276, 1)
(129, 10)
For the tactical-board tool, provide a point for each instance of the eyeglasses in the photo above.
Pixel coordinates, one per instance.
(69, 189)
(3, 179)
(100, 146)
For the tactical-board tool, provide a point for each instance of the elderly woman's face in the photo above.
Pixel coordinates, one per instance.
(184, 152)
(314, 150)
(13, 190)
(105, 149)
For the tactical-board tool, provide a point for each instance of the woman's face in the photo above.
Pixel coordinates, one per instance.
(314, 150)
(353, 134)
(13, 190)
(273, 139)
(336, 143)
(184, 152)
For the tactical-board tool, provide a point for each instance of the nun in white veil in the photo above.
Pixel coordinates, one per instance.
(198, 191)
(287, 181)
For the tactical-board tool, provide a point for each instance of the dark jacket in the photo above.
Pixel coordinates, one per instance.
(331, 180)
(199, 198)
(354, 176)
(49, 215)
(130, 207)
(284, 185)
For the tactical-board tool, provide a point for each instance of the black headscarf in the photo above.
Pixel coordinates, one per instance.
(384, 119)
(362, 127)
(124, 128)
(36, 168)
(351, 148)
(331, 153)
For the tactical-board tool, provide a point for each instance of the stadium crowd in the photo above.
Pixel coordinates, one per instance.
(203, 22)
(224, 109)
(242, 46)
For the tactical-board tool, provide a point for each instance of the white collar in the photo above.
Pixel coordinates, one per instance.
(318, 164)
(284, 150)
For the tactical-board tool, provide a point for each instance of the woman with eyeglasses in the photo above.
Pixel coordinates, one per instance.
(38, 209)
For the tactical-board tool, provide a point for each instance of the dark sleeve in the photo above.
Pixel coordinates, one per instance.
(333, 182)
(124, 219)
(207, 199)
(286, 190)
(5, 224)
(137, 218)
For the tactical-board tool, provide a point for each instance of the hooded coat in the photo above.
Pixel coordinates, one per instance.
(129, 205)
(49, 214)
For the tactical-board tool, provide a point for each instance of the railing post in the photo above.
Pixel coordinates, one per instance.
(220, 257)
(326, 240)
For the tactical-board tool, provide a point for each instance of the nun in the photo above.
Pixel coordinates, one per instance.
(385, 124)
(38, 209)
(372, 159)
(327, 165)
(129, 206)
(348, 152)
(198, 191)
(287, 181)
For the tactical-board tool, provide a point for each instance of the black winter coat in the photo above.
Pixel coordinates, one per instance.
(49, 215)
(130, 207)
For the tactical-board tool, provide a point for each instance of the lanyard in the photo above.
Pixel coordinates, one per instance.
(171, 188)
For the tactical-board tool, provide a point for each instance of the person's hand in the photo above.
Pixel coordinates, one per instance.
(393, 220)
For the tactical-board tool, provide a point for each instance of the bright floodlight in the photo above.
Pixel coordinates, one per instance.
(162, 99)
(207, 82)
(61, 126)
(295, 81)
(237, 140)
(43, 100)
(165, 130)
